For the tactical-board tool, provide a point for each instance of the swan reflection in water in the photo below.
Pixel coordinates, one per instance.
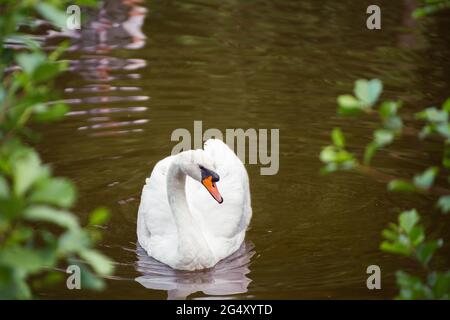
(228, 277)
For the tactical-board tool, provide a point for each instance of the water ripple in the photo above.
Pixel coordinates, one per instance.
(228, 277)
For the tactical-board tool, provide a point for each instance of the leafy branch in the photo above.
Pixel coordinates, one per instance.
(38, 232)
(407, 237)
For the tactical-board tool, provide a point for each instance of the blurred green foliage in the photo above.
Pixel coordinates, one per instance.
(38, 233)
(431, 6)
(407, 237)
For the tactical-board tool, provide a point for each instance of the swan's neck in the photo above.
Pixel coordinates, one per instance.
(190, 237)
(176, 194)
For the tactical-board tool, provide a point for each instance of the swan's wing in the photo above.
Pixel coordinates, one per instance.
(155, 220)
(231, 218)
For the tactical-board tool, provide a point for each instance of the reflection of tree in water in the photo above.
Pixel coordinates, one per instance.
(228, 277)
(117, 24)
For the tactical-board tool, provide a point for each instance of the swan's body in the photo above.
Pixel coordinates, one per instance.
(179, 223)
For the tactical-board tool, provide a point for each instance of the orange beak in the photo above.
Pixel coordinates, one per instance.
(212, 188)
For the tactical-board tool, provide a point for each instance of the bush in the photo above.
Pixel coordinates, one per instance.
(407, 237)
(38, 233)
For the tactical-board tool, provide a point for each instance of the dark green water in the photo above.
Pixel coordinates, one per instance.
(248, 64)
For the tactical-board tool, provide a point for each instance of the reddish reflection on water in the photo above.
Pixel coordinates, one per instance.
(116, 25)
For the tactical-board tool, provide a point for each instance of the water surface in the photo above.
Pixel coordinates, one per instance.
(140, 70)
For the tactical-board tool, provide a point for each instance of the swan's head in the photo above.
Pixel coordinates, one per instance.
(199, 166)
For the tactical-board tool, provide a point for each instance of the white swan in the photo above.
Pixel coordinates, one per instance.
(179, 223)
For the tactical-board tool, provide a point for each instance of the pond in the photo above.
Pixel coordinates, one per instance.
(140, 70)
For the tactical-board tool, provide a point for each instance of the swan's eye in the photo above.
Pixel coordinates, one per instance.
(209, 173)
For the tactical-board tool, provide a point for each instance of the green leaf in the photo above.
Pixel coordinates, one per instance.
(338, 156)
(426, 131)
(27, 169)
(368, 91)
(426, 179)
(11, 208)
(401, 185)
(90, 281)
(329, 168)
(408, 219)
(348, 105)
(393, 123)
(47, 71)
(45, 113)
(73, 241)
(56, 191)
(13, 284)
(443, 129)
(388, 109)
(48, 280)
(59, 51)
(440, 283)
(338, 138)
(433, 115)
(19, 235)
(446, 105)
(4, 188)
(395, 247)
(383, 137)
(328, 154)
(389, 234)
(426, 250)
(48, 214)
(25, 260)
(369, 152)
(57, 17)
(416, 235)
(444, 204)
(446, 156)
(29, 62)
(411, 287)
(100, 263)
(99, 216)
(2, 94)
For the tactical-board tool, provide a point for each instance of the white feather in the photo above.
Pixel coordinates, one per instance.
(212, 231)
